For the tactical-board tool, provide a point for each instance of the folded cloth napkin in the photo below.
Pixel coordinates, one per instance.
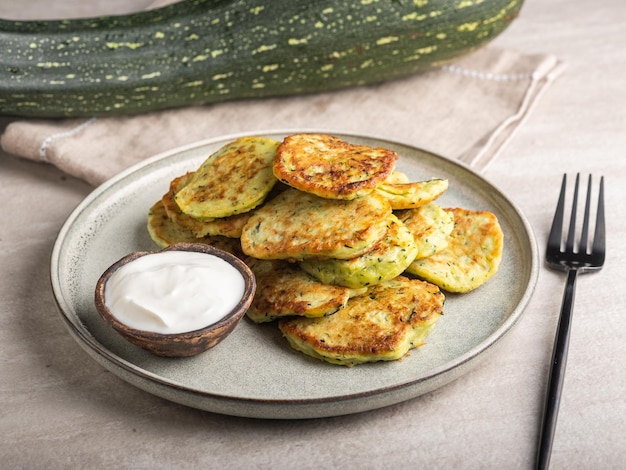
(468, 110)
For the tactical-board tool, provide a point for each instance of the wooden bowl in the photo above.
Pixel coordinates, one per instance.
(188, 343)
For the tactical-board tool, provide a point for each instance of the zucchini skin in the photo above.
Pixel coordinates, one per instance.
(208, 51)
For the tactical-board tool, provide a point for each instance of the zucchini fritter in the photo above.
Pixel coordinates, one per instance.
(382, 325)
(223, 226)
(430, 226)
(397, 177)
(235, 179)
(330, 167)
(386, 260)
(164, 232)
(412, 195)
(472, 256)
(283, 289)
(295, 225)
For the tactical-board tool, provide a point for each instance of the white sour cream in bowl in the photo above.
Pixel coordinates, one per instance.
(174, 291)
(176, 302)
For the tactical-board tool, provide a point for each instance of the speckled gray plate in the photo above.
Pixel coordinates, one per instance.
(254, 372)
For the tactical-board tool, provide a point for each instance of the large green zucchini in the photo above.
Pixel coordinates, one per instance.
(206, 51)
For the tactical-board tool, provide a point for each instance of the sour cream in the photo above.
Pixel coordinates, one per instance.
(173, 291)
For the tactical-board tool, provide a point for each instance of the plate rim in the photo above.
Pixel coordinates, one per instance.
(115, 363)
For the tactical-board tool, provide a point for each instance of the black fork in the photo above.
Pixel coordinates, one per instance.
(574, 258)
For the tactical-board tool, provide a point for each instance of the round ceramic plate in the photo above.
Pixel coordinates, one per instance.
(254, 372)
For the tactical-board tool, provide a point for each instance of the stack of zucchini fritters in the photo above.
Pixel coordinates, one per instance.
(348, 254)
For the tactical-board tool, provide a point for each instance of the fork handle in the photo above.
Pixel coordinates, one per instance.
(557, 373)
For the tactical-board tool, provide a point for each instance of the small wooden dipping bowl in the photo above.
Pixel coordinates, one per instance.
(188, 343)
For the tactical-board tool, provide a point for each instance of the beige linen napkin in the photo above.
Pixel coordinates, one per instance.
(468, 110)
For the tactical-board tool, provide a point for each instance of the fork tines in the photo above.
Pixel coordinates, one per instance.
(583, 253)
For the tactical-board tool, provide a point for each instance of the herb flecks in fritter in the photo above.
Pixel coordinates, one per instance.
(472, 256)
(296, 225)
(332, 168)
(430, 225)
(383, 325)
(235, 179)
(165, 232)
(412, 195)
(386, 260)
(221, 226)
(284, 290)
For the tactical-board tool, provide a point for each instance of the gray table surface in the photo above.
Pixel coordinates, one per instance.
(59, 409)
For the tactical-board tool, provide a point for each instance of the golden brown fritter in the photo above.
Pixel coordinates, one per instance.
(397, 177)
(295, 225)
(283, 289)
(222, 226)
(472, 256)
(412, 195)
(164, 232)
(386, 260)
(430, 225)
(235, 179)
(331, 168)
(383, 325)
